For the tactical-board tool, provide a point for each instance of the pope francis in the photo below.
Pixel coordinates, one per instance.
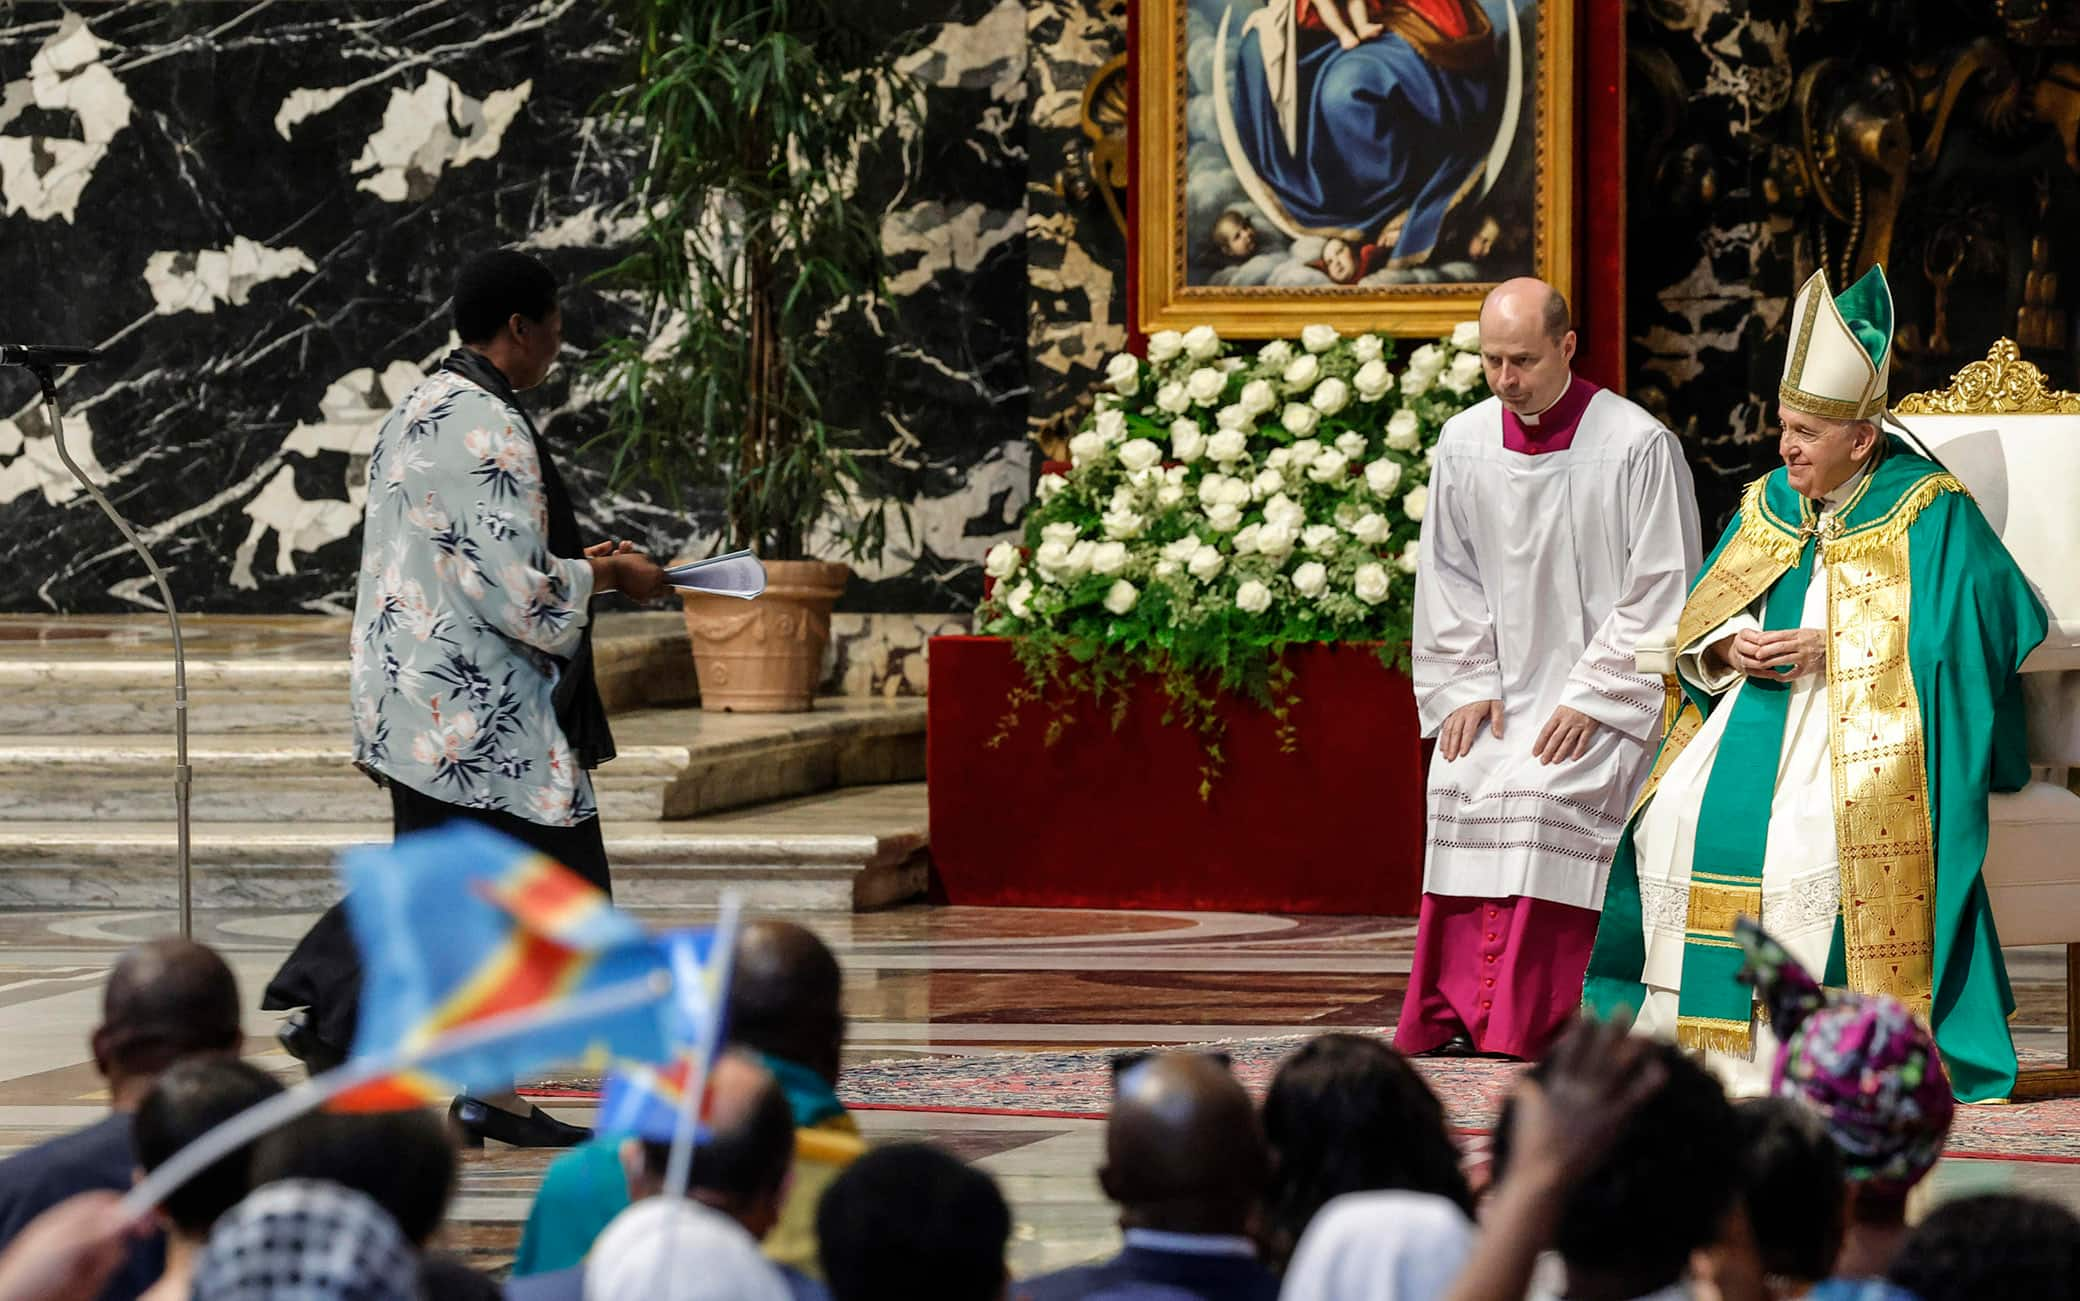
(1848, 696)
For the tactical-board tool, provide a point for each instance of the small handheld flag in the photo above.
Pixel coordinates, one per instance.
(256, 1120)
(462, 924)
(643, 1098)
(481, 959)
(702, 1002)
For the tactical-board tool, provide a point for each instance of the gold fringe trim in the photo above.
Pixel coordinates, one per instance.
(1779, 540)
(1760, 531)
(1714, 1034)
(1860, 543)
(1744, 568)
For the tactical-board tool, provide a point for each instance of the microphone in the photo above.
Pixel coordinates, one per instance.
(45, 356)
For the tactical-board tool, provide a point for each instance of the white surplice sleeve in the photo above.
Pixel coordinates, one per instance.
(1453, 650)
(1698, 671)
(1660, 505)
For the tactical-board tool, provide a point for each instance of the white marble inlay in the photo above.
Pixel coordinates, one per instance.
(303, 525)
(593, 226)
(989, 53)
(29, 455)
(350, 413)
(943, 524)
(942, 237)
(419, 138)
(44, 176)
(305, 102)
(198, 281)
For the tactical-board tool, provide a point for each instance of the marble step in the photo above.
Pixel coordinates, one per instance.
(861, 847)
(672, 763)
(249, 677)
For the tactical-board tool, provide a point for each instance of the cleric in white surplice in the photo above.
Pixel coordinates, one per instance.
(1562, 525)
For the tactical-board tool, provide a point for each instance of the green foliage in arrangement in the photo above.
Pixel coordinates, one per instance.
(1220, 508)
(757, 114)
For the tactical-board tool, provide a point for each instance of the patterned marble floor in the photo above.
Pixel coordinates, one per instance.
(921, 981)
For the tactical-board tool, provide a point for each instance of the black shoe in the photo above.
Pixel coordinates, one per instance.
(301, 1042)
(475, 1120)
(1459, 1045)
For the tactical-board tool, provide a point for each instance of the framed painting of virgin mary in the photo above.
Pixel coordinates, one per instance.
(1373, 164)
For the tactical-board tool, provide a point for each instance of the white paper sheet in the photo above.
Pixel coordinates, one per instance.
(739, 574)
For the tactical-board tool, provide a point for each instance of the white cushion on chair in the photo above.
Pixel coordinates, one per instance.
(2024, 471)
(2032, 870)
(2052, 706)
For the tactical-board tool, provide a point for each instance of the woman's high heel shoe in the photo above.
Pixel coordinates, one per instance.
(300, 1040)
(475, 1120)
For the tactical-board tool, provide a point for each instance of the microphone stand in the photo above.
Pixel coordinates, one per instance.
(182, 774)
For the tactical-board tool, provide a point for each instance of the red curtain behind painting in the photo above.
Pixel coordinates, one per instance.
(1599, 189)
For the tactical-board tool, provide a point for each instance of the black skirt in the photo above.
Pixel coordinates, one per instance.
(323, 972)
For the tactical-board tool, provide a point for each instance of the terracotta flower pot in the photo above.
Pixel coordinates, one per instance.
(765, 656)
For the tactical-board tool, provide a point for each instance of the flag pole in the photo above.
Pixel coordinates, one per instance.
(722, 960)
(254, 1121)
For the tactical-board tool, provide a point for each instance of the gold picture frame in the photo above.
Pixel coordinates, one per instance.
(1423, 294)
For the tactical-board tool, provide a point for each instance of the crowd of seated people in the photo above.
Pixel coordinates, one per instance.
(1619, 1169)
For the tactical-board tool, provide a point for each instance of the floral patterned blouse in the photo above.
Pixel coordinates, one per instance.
(461, 615)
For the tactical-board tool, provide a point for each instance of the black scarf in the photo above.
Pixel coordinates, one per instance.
(579, 711)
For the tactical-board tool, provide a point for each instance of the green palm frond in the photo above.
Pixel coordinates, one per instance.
(759, 116)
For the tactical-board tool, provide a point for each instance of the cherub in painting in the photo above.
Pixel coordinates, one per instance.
(1349, 23)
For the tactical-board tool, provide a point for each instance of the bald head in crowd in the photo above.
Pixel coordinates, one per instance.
(165, 1000)
(1527, 344)
(740, 1164)
(1183, 1149)
(786, 996)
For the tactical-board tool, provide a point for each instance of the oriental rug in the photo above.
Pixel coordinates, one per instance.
(1078, 1084)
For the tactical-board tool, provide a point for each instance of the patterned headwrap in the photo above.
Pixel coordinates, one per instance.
(1863, 1061)
(306, 1240)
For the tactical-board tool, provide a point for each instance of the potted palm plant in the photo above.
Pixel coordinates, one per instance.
(755, 252)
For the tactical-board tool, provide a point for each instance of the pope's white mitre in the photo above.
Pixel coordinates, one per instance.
(1840, 349)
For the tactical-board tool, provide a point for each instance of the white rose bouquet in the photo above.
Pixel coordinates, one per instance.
(1224, 505)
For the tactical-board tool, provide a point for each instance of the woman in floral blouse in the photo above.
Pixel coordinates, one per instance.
(471, 645)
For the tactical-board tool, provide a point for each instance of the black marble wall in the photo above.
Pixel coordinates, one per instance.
(1770, 138)
(1077, 282)
(255, 209)
(1708, 276)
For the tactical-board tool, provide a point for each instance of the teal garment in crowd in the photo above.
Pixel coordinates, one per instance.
(809, 1095)
(581, 1194)
(584, 1189)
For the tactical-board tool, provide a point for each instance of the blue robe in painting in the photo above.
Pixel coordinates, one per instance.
(1381, 131)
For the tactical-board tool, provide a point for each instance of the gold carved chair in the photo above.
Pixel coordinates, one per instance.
(2015, 443)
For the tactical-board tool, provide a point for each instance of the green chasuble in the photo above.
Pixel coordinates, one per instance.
(1929, 620)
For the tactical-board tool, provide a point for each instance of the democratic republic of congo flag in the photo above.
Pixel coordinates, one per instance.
(462, 924)
(643, 1098)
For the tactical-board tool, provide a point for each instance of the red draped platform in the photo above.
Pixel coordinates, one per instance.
(1113, 819)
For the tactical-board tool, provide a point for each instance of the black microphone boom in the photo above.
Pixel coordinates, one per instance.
(41, 356)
